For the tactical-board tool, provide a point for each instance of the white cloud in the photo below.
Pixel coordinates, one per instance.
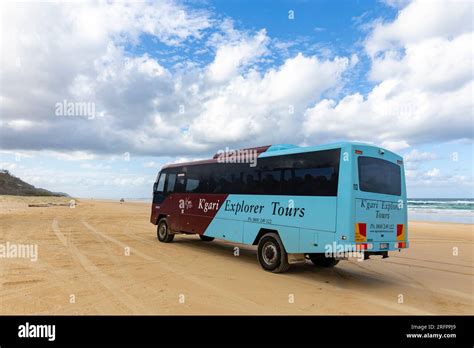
(138, 99)
(72, 156)
(98, 166)
(8, 166)
(435, 178)
(418, 156)
(433, 173)
(20, 124)
(421, 20)
(251, 104)
(152, 164)
(422, 63)
(232, 56)
(395, 145)
(436, 64)
(396, 3)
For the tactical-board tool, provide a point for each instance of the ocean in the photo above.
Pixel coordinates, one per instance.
(457, 210)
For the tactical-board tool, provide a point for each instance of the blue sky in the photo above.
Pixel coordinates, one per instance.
(178, 80)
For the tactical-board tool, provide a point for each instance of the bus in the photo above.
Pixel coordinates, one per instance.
(320, 204)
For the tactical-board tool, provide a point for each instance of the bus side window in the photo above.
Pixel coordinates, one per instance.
(180, 181)
(315, 181)
(250, 183)
(192, 185)
(161, 183)
(271, 181)
(158, 188)
(287, 182)
(170, 183)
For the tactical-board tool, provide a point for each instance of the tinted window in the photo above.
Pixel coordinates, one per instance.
(379, 176)
(305, 174)
(179, 186)
(192, 185)
(161, 183)
(270, 181)
(251, 181)
(308, 174)
(171, 182)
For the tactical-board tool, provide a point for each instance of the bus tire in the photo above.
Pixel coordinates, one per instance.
(271, 254)
(206, 238)
(163, 232)
(321, 260)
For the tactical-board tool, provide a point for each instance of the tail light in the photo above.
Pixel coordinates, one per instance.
(360, 232)
(400, 232)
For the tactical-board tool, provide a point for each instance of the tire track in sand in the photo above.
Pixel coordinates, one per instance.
(381, 302)
(229, 295)
(130, 302)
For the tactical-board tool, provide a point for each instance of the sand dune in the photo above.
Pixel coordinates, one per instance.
(83, 268)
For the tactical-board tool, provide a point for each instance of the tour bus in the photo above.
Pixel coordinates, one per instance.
(319, 203)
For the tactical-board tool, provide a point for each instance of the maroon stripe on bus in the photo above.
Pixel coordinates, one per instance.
(188, 212)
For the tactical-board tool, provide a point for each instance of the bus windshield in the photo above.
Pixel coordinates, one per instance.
(379, 176)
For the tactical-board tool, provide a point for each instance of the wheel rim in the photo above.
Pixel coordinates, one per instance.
(269, 253)
(162, 231)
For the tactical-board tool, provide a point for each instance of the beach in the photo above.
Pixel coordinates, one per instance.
(102, 257)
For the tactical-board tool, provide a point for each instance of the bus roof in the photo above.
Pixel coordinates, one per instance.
(280, 149)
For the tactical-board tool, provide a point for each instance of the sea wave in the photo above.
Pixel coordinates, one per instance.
(441, 211)
(442, 204)
(439, 202)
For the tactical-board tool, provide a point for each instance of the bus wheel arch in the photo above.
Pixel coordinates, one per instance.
(262, 232)
(163, 232)
(161, 216)
(271, 253)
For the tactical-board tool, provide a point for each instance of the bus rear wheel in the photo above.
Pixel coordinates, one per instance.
(163, 232)
(321, 260)
(271, 254)
(206, 238)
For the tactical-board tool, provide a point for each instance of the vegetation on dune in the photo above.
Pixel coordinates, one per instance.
(11, 185)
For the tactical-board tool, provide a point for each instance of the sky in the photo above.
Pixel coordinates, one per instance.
(96, 96)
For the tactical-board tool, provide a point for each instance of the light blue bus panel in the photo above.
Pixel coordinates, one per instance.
(287, 214)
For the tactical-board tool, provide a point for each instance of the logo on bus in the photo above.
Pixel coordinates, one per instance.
(185, 203)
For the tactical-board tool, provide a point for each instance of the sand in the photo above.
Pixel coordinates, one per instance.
(102, 257)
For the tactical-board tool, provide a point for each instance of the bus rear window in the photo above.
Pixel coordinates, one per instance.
(379, 176)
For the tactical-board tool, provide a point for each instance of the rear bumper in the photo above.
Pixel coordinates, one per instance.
(348, 246)
(383, 246)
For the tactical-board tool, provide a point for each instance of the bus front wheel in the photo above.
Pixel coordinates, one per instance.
(163, 232)
(271, 254)
(322, 261)
(206, 238)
